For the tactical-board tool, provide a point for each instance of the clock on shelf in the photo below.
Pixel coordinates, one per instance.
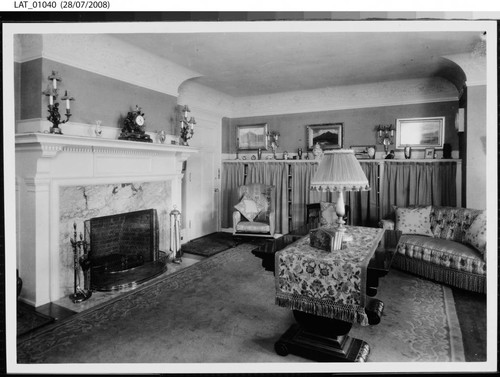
(134, 127)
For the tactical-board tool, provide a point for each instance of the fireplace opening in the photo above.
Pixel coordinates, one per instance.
(123, 250)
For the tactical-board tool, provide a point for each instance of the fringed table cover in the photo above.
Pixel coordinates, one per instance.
(327, 284)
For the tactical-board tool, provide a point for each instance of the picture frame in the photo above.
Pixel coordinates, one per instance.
(420, 133)
(429, 153)
(329, 135)
(364, 152)
(252, 137)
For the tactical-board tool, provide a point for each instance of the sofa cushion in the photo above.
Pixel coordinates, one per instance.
(444, 253)
(451, 223)
(249, 208)
(476, 234)
(413, 220)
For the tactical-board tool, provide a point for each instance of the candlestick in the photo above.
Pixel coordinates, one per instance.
(53, 108)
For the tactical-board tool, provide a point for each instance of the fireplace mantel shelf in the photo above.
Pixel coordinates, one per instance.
(51, 145)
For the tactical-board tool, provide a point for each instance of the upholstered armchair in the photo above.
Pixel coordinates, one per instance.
(255, 212)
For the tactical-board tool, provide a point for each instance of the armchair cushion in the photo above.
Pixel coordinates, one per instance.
(414, 220)
(476, 234)
(249, 207)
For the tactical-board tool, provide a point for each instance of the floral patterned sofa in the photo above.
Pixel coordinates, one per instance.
(445, 244)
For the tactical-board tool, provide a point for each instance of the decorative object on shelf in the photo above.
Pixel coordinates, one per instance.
(252, 137)
(79, 294)
(175, 235)
(54, 115)
(339, 171)
(329, 136)
(273, 138)
(259, 153)
(187, 125)
(407, 152)
(420, 133)
(391, 155)
(161, 136)
(98, 128)
(385, 136)
(364, 152)
(299, 153)
(285, 155)
(446, 150)
(429, 152)
(134, 127)
(317, 152)
(253, 157)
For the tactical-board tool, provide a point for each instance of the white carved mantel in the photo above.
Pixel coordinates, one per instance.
(46, 162)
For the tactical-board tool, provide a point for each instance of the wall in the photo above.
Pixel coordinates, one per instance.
(359, 124)
(476, 147)
(96, 97)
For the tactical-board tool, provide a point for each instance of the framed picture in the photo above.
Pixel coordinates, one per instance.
(364, 152)
(420, 133)
(252, 137)
(329, 136)
(429, 152)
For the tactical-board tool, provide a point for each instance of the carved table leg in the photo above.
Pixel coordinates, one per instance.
(321, 339)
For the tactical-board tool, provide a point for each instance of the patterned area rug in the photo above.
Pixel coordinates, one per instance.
(28, 319)
(211, 244)
(222, 310)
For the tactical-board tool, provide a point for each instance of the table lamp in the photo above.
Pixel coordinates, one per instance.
(339, 170)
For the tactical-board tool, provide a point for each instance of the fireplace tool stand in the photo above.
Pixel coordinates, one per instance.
(79, 294)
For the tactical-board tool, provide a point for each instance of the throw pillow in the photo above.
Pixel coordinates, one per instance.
(328, 215)
(414, 220)
(476, 234)
(249, 208)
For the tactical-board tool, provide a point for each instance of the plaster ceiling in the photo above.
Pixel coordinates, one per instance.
(257, 63)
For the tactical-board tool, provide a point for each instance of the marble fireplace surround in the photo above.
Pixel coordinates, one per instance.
(61, 180)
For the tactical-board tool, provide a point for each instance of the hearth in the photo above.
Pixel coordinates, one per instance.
(123, 250)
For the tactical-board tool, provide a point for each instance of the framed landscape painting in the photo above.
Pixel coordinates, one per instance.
(329, 136)
(420, 132)
(252, 137)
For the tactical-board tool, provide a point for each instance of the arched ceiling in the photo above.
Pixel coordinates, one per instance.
(255, 63)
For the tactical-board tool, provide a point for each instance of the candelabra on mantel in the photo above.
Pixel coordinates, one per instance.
(53, 108)
(187, 125)
(385, 136)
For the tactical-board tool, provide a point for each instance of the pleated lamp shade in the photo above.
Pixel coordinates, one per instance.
(339, 170)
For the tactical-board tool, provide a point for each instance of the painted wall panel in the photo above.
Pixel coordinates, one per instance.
(359, 124)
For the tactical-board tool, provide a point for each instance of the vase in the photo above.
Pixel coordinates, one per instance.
(299, 153)
(98, 128)
(317, 151)
(259, 154)
(162, 136)
(407, 152)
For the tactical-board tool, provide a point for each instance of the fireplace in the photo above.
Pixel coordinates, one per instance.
(62, 180)
(123, 250)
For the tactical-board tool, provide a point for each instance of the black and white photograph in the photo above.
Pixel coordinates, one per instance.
(293, 192)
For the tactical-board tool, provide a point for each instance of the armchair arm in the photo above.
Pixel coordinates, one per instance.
(236, 220)
(272, 225)
(387, 224)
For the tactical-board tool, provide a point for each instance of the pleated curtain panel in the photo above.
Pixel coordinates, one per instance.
(401, 183)
(233, 176)
(412, 183)
(274, 174)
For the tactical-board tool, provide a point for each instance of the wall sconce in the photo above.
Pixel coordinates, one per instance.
(273, 138)
(187, 125)
(385, 136)
(54, 116)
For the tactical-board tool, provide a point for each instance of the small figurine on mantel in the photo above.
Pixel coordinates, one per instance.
(390, 156)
